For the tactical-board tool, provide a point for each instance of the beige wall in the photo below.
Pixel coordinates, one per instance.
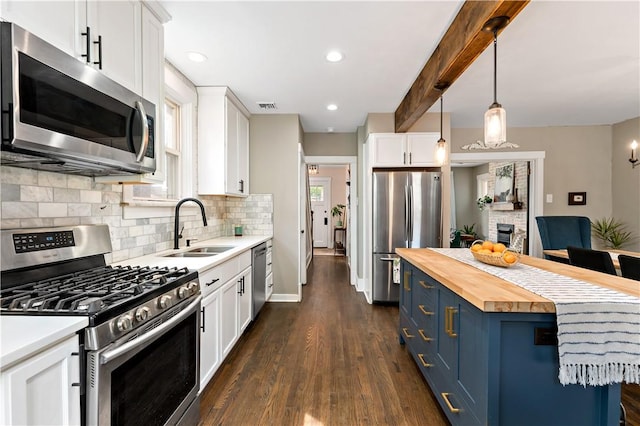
(330, 144)
(379, 122)
(361, 138)
(578, 159)
(625, 179)
(273, 170)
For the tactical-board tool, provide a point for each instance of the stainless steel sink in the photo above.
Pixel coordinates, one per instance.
(190, 254)
(210, 249)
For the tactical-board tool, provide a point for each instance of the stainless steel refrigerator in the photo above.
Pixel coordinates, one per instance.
(406, 213)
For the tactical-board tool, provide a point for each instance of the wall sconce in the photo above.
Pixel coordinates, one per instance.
(634, 158)
(313, 169)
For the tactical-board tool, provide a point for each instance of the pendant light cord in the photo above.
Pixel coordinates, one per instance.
(495, 66)
(440, 116)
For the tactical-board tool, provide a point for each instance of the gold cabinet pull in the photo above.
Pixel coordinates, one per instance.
(445, 396)
(424, 337)
(448, 321)
(424, 285)
(407, 280)
(421, 307)
(406, 333)
(424, 363)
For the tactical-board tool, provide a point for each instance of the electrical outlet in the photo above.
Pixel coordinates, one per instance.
(549, 198)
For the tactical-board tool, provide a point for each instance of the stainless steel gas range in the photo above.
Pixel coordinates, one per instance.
(140, 357)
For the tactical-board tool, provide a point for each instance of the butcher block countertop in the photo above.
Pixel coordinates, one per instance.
(492, 294)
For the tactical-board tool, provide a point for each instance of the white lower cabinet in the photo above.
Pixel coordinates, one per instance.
(43, 389)
(210, 354)
(226, 311)
(229, 313)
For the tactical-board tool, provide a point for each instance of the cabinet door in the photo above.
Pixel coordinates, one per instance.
(228, 316)
(44, 388)
(119, 25)
(447, 334)
(232, 178)
(210, 338)
(243, 154)
(422, 149)
(389, 150)
(405, 292)
(245, 300)
(53, 21)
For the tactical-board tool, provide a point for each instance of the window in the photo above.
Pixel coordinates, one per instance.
(316, 192)
(176, 163)
(483, 185)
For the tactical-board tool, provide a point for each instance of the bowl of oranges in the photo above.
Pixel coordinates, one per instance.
(494, 253)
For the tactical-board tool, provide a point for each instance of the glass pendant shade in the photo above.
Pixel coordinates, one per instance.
(495, 126)
(441, 152)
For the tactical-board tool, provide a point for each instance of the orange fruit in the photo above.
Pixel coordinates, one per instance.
(485, 251)
(510, 258)
(476, 247)
(499, 247)
(487, 245)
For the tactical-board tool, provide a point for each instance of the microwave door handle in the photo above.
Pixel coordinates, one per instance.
(145, 131)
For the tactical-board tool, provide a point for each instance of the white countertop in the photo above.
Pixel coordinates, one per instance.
(201, 264)
(23, 336)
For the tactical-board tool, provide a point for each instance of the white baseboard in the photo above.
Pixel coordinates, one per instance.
(283, 298)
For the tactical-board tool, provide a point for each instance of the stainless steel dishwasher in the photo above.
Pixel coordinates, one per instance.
(259, 275)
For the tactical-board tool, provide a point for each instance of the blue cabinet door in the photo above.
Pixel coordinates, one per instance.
(447, 332)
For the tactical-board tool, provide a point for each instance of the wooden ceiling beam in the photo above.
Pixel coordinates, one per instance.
(463, 42)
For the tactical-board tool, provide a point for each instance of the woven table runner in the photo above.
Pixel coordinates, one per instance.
(598, 328)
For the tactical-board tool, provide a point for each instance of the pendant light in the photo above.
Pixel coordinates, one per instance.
(495, 119)
(441, 147)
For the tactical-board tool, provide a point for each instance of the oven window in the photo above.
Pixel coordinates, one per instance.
(147, 389)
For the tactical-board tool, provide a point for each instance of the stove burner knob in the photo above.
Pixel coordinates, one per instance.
(193, 287)
(142, 314)
(164, 301)
(183, 292)
(124, 323)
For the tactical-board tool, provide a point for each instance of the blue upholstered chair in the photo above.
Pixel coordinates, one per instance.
(558, 232)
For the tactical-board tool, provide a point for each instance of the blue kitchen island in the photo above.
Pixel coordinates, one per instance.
(488, 348)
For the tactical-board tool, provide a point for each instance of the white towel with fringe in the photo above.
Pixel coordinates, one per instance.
(598, 328)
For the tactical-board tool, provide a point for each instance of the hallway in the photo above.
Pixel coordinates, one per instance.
(332, 359)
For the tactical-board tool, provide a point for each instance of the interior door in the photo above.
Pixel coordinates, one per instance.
(320, 196)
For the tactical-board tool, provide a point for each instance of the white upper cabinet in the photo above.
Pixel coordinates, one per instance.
(223, 143)
(104, 34)
(116, 34)
(403, 149)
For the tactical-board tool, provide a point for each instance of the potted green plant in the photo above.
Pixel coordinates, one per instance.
(611, 232)
(337, 210)
(483, 201)
(468, 230)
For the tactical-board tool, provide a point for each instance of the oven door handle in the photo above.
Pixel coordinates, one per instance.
(109, 356)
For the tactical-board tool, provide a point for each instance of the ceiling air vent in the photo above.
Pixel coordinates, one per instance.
(267, 105)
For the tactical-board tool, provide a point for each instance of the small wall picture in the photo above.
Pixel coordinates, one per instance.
(577, 198)
(504, 183)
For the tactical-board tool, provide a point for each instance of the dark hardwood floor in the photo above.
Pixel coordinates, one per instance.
(332, 359)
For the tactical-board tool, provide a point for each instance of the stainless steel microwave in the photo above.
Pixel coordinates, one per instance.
(60, 114)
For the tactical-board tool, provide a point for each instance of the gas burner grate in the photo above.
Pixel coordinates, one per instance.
(89, 291)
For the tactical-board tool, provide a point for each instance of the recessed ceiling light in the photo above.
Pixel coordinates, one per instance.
(196, 56)
(330, 129)
(332, 107)
(334, 56)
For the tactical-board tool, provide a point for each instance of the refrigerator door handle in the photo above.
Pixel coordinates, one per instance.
(406, 215)
(387, 259)
(410, 215)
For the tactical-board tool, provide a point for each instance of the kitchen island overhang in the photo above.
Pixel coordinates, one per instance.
(488, 348)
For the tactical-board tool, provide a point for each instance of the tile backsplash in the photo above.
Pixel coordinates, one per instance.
(33, 199)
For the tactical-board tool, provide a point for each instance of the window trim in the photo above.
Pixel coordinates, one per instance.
(184, 94)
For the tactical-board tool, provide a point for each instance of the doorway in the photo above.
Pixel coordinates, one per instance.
(320, 197)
